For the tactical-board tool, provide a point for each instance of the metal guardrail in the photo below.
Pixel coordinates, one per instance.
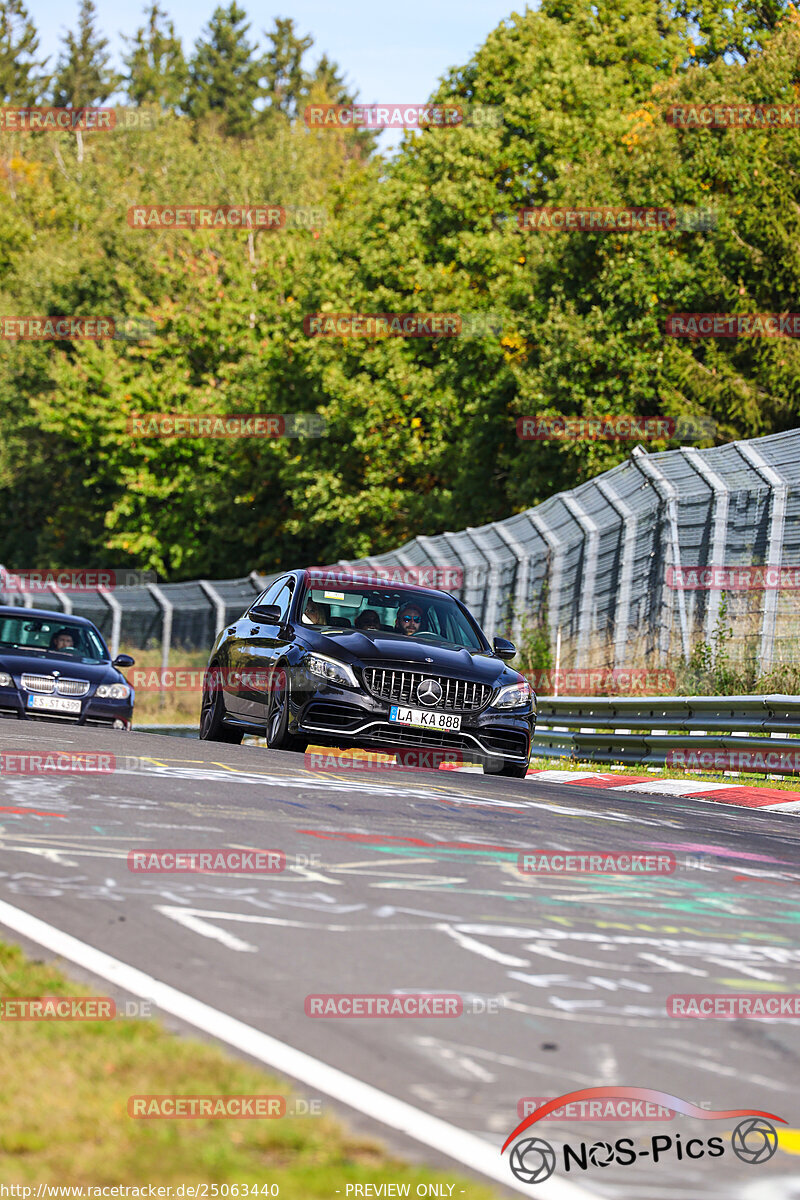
(740, 733)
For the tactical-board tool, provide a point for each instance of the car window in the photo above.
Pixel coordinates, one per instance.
(39, 635)
(284, 600)
(442, 619)
(269, 595)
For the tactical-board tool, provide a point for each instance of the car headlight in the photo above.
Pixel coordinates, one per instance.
(331, 669)
(5, 679)
(514, 695)
(113, 691)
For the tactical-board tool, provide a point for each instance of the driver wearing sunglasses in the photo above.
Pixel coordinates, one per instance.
(409, 619)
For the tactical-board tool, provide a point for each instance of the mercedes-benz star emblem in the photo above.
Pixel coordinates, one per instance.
(532, 1161)
(754, 1140)
(429, 692)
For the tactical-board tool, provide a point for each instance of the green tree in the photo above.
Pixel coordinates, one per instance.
(157, 72)
(83, 75)
(21, 78)
(224, 72)
(285, 79)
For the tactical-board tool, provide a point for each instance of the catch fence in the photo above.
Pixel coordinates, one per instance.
(607, 571)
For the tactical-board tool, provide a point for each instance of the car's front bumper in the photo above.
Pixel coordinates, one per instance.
(93, 711)
(332, 715)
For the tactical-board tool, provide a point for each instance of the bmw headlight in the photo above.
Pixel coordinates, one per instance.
(113, 691)
(331, 669)
(515, 695)
(5, 679)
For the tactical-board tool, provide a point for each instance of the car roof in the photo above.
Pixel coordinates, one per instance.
(17, 610)
(386, 584)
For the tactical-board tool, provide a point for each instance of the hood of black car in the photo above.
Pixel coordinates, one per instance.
(45, 664)
(395, 650)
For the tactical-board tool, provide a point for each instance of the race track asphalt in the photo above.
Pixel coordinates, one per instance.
(409, 882)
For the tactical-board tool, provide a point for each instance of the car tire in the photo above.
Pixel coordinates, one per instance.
(212, 713)
(277, 731)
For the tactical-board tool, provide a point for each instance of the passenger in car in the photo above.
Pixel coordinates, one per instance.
(368, 619)
(314, 614)
(62, 639)
(409, 619)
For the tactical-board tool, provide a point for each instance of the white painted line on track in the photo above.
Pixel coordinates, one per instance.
(462, 1147)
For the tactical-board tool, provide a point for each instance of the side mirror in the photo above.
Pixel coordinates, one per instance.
(123, 660)
(270, 614)
(503, 648)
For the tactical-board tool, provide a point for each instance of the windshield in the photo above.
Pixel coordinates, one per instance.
(51, 636)
(378, 610)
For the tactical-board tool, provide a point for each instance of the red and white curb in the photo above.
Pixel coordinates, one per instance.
(766, 798)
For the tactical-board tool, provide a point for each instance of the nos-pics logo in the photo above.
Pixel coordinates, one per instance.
(533, 1160)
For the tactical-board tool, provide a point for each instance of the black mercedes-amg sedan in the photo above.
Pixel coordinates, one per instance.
(58, 667)
(338, 659)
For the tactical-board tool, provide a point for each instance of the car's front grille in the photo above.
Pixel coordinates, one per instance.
(72, 687)
(46, 684)
(458, 695)
(38, 683)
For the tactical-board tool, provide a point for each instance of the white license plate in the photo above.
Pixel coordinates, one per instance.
(418, 716)
(55, 703)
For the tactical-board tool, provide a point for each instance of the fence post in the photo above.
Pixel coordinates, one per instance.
(555, 570)
(217, 603)
(622, 602)
(591, 540)
(116, 618)
(520, 576)
(720, 522)
(667, 493)
(166, 623)
(62, 598)
(489, 614)
(778, 493)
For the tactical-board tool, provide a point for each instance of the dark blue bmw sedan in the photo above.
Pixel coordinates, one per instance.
(58, 667)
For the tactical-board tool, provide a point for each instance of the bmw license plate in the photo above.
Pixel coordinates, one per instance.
(55, 703)
(418, 716)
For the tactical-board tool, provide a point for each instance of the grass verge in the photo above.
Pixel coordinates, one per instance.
(64, 1120)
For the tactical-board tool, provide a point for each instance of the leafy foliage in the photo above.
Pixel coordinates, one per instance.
(421, 432)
